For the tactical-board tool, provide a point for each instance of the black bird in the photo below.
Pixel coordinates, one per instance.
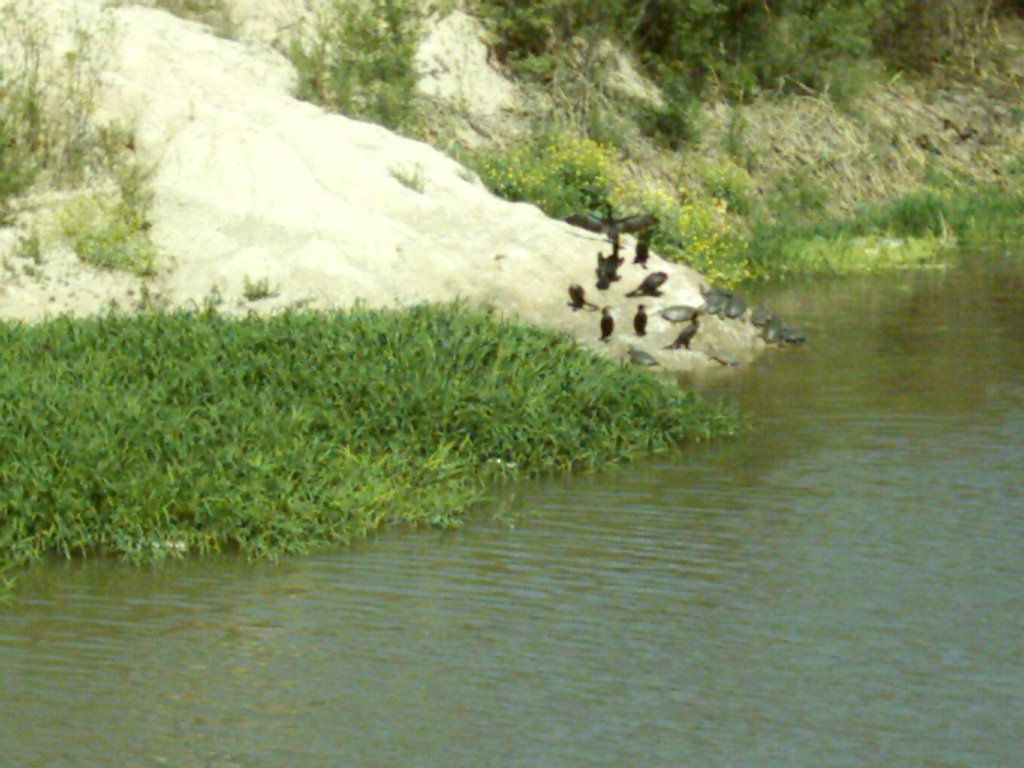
(578, 299)
(611, 226)
(607, 270)
(643, 251)
(686, 335)
(650, 285)
(607, 323)
(640, 321)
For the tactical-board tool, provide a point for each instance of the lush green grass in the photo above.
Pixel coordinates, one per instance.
(909, 230)
(163, 433)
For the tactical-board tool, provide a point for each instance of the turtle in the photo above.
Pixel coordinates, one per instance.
(723, 357)
(715, 300)
(650, 285)
(679, 313)
(772, 331)
(790, 335)
(735, 306)
(638, 357)
(760, 317)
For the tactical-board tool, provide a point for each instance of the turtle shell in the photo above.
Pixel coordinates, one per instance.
(680, 313)
(735, 306)
(723, 357)
(715, 301)
(761, 317)
(772, 332)
(639, 357)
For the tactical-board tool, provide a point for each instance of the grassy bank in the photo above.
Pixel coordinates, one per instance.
(170, 433)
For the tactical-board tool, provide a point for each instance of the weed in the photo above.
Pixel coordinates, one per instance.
(409, 176)
(254, 290)
(110, 229)
(29, 247)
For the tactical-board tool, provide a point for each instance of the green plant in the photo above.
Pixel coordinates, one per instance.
(358, 60)
(729, 183)
(409, 176)
(157, 434)
(558, 172)
(698, 232)
(111, 230)
(254, 290)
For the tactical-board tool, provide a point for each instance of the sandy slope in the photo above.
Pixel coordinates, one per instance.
(252, 183)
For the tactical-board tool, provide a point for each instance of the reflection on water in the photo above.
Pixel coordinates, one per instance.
(842, 587)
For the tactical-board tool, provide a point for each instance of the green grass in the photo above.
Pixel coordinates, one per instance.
(165, 433)
(911, 230)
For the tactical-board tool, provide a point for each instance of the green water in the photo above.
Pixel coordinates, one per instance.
(844, 586)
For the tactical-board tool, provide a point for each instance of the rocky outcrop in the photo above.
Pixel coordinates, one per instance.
(253, 185)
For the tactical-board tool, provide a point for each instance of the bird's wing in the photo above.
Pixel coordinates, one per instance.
(637, 223)
(587, 221)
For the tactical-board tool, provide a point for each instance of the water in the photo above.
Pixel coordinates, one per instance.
(844, 586)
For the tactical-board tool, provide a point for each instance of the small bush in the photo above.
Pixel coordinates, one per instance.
(560, 173)
(729, 183)
(111, 231)
(699, 233)
(254, 290)
(359, 60)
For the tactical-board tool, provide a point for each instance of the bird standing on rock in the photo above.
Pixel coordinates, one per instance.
(607, 271)
(650, 285)
(640, 321)
(607, 324)
(643, 251)
(686, 335)
(578, 299)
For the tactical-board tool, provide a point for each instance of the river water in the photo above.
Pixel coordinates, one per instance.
(843, 586)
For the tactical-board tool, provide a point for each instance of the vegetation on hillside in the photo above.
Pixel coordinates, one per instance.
(828, 182)
(49, 139)
(161, 433)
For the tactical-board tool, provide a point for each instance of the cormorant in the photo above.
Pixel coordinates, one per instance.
(578, 299)
(650, 285)
(643, 251)
(607, 323)
(686, 335)
(640, 321)
(611, 226)
(607, 270)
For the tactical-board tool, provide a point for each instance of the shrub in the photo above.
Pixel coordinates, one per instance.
(111, 230)
(359, 60)
(699, 233)
(560, 173)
